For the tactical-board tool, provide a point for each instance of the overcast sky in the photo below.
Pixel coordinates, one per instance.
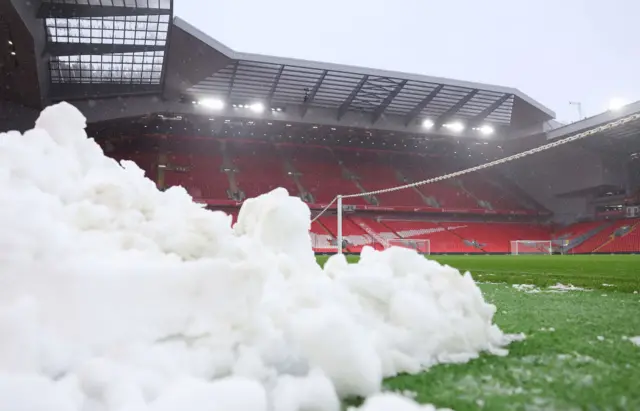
(556, 51)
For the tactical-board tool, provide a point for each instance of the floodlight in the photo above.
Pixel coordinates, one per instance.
(212, 103)
(616, 104)
(427, 123)
(486, 130)
(257, 107)
(457, 126)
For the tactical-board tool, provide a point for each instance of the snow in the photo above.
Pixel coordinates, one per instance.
(527, 288)
(570, 287)
(116, 296)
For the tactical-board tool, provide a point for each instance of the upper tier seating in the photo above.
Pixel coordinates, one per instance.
(260, 168)
(196, 165)
(417, 168)
(322, 172)
(375, 172)
(146, 161)
(482, 189)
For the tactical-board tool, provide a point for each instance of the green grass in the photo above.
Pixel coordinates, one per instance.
(616, 272)
(584, 364)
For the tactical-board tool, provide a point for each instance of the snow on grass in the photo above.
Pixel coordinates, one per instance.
(527, 288)
(569, 287)
(116, 296)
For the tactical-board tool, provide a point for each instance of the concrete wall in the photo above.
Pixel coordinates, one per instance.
(555, 177)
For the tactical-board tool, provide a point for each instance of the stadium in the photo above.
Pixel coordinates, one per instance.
(482, 178)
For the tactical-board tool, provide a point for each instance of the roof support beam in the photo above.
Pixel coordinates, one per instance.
(475, 121)
(385, 103)
(444, 117)
(80, 91)
(75, 49)
(421, 105)
(312, 94)
(344, 107)
(70, 11)
(233, 79)
(274, 85)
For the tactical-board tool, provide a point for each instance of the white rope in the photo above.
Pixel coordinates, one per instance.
(544, 147)
(324, 209)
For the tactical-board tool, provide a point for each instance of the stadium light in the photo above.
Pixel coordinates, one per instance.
(256, 107)
(428, 123)
(616, 104)
(486, 130)
(457, 126)
(212, 103)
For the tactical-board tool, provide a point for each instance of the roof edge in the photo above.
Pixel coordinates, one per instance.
(203, 37)
(261, 58)
(594, 121)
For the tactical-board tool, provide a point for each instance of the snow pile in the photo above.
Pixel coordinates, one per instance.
(115, 296)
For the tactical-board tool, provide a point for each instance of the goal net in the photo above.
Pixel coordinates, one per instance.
(528, 247)
(421, 246)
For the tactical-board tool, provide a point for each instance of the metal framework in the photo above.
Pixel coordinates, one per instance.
(106, 47)
(284, 84)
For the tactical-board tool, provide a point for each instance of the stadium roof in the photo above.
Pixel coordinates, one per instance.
(624, 139)
(90, 49)
(278, 80)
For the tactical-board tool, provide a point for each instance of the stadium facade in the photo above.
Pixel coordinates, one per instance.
(228, 125)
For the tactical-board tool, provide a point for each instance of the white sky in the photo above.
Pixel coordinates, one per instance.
(556, 51)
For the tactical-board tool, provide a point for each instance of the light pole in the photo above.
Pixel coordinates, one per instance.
(579, 107)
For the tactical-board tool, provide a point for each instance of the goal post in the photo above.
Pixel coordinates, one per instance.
(420, 245)
(531, 247)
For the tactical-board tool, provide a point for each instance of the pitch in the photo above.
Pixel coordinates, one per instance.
(579, 351)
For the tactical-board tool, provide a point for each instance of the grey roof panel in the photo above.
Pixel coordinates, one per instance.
(294, 81)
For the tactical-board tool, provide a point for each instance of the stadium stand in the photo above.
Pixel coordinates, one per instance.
(223, 171)
(319, 172)
(373, 171)
(442, 194)
(259, 168)
(318, 129)
(217, 169)
(625, 237)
